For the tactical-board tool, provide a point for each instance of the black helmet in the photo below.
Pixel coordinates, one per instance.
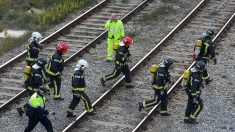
(168, 62)
(200, 65)
(41, 62)
(210, 32)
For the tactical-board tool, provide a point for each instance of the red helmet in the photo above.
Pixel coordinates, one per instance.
(127, 41)
(62, 47)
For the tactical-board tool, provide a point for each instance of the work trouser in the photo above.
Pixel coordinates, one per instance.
(111, 42)
(124, 68)
(160, 95)
(55, 82)
(193, 109)
(76, 99)
(33, 121)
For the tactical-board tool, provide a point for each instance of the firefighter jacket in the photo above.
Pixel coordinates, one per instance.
(55, 65)
(37, 76)
(37, 104)
(161, 78)
(122, 55)
(78, 81)
(33, 51)
(115, 29)
(207, 49)
(195, 83)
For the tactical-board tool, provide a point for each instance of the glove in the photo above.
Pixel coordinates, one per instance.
(215, 61)
(47, 80)
(129, 58)
(52, 113)
(195, 100)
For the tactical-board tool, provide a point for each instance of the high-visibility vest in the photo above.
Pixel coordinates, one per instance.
(115, 29)
(37, 101)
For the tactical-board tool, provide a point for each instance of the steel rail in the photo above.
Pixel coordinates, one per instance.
(232, 18)
(115, 86)
(96, 40)
(58, 32)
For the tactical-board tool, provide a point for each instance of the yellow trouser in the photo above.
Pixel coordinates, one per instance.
(111, 42)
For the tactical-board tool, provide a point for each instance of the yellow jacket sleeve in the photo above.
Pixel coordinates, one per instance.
(107, 25)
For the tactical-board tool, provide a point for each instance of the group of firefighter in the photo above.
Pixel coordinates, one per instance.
(40, 79)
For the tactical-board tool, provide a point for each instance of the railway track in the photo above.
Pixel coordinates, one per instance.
(117, 108)
(81, 33)
(176, 85)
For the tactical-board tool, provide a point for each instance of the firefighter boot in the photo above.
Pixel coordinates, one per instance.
(102, 81)
(58, 98)
(207, 81)
(91, 113)
(20, 111)
(70, 114)
(165, 114)
(192, 120)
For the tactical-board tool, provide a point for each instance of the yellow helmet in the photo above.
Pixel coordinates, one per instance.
(199, 43)
(154, 68)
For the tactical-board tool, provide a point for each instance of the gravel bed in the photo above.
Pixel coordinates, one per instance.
(98, 67)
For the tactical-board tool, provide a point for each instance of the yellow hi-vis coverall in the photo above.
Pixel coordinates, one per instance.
(115, 33)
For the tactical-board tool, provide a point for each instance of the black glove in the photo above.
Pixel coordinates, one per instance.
(47, 80)
(215, 61)
(195, 100)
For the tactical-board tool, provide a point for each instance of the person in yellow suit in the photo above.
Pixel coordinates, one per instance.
(115, 34)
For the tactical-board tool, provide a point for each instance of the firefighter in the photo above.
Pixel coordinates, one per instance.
(205, 50)
(33, 48)
(37, 113)
(122, 56)
(36, 79)
(159, 79)
(55, 68)
(115, 34)
(78, 90)
(193, 83)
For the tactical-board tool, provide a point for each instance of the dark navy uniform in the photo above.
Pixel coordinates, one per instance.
(120, 66)
(206, 52)
(160, 78)
(54, 72)
(78, 90)
(193, 90)
(32, 53)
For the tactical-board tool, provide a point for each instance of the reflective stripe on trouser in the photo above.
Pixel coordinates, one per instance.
(197, 109)
(111, 42)
(157, 98)
(192, 109)
(56, 84)
(117, 71)
(76, 100)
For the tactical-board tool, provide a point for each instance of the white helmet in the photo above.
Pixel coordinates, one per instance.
(82, 64)
(36, 36)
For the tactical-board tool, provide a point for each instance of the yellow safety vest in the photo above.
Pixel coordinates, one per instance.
(37, 101)
(115, 29)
